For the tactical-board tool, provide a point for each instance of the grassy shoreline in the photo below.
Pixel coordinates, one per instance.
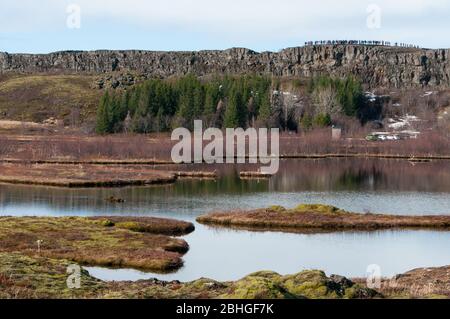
(38, 277)
(28, 272)
(134, 242)
(168, 162)
(41, 277)
(319, 218)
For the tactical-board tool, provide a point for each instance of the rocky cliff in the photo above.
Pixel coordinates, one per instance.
(376, 66)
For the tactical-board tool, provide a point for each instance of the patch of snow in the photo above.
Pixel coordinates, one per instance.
(427, 94)
(402, 122)
(372, 97)
(397, 125)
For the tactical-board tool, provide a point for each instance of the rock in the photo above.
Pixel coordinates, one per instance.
(311, 284)
(341, 281)
(113, 199)
(375, 66)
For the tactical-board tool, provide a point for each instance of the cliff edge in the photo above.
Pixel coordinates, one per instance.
(376, 66)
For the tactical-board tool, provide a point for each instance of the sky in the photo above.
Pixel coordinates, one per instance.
(42, 26)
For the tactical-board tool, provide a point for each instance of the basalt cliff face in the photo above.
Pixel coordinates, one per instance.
(376, 66)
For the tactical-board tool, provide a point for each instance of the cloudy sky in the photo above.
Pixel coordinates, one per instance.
(40, 26)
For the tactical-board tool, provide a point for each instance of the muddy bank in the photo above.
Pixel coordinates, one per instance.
(319, 218)
(82, 175)
(140, 243)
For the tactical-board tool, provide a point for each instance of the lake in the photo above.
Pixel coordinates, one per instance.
(360, 185)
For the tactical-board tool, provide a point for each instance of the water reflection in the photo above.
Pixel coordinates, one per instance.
(389, 186)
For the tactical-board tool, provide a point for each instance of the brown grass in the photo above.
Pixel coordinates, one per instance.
(416, 284)
(317, 218)
(151, 225)
(107, 241)
(82, 175)
(39, 277)
(156, 149)
(253, 174)
(196, 174)
(38, 97)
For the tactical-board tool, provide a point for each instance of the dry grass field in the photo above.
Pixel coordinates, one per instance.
(66, 175)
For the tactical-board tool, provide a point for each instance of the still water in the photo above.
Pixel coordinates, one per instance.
(377, 186)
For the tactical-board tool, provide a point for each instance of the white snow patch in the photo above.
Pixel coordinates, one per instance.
(402, 122)
(427, 94)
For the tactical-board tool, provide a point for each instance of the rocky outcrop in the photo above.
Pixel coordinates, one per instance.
(376, 66)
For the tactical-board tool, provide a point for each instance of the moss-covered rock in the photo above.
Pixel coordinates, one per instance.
(257, 287)
(310, 284)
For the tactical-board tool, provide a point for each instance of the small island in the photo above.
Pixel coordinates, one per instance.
(82, 176)
(319, 218)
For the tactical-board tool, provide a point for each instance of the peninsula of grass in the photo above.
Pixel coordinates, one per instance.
(129, 242)
(320, 218)
(82, 175)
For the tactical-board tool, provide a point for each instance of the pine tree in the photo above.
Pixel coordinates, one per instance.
(184, 116)
(123, 106)
(103, 125)
(134, 100)
(233, 112)
(251, 111)
(198, 100)
(265, 110)
(142, 117)
(322, 120)
(212, 97)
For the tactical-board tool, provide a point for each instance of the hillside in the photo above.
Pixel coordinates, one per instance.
(37, 98)
(68, 85)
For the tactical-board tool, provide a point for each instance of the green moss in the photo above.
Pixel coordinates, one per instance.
(40, 277)
(316, 208)
(266, 274)
(37, 277)
(277, 208)
(92, 242)
(310, 284)
(130, 226)
(107, 223)
(255, 287)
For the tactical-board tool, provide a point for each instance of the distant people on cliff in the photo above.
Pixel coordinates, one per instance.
(360, 42)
